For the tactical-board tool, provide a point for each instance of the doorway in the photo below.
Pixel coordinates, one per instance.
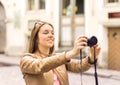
(72, 22)
(114, 48)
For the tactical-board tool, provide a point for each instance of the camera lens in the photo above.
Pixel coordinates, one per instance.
(92, 41)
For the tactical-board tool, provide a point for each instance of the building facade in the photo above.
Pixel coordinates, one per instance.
(70, 18)
(18, 18)
(103, 20)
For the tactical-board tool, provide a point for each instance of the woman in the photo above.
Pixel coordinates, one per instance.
(43, 67)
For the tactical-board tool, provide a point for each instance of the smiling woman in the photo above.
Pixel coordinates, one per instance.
(41, 66)
(42, 32)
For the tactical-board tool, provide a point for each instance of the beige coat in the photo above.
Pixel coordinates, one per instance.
(38, 71)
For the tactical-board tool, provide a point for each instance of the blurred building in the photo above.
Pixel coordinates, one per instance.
(17, 20)
(103, 20)
(70, 18)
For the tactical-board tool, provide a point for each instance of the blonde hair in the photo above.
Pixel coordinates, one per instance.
(33, 45)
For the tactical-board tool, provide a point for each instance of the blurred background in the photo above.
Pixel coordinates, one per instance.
(70, 18)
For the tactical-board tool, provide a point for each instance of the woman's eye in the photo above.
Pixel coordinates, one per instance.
(52, 33)
(45, 32)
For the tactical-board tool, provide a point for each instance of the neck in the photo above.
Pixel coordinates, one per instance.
(43, 52)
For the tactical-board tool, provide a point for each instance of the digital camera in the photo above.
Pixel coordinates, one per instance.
(92, 41)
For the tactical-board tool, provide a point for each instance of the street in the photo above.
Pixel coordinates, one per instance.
(75, 79)
(11, 75)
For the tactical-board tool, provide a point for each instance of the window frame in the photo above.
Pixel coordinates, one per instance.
(40, 5)
(36, 5)
(115, 1)
(66, 8)
(106, 3)
(28, 5)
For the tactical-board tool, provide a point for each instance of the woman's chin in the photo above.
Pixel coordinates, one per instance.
(50, 45)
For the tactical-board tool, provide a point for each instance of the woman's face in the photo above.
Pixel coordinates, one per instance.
(46, 36)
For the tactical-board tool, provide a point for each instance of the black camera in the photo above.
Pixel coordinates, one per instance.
(92, 41)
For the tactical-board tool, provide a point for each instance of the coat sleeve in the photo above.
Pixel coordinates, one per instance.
(33, 65)
(75, 65)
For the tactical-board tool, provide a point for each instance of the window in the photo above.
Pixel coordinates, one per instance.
(41, 4)
(31, 4)
(36, 4)
(79, 7)
(66, 7)
(112, 1)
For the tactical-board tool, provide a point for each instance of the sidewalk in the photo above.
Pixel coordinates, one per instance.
(105, 73)
(12, 60)
(9, 60)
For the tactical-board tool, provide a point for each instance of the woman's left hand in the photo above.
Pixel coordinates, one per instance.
(97, 51)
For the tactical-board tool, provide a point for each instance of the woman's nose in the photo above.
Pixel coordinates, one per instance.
(50, 35)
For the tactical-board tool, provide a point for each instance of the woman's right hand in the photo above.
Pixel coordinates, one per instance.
(80, 42)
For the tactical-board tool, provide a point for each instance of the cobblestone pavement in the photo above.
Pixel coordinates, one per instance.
(11, 75)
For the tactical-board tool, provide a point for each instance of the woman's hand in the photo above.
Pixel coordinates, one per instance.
(80, 43)
(97, 52)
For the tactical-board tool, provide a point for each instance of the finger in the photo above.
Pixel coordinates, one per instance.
(82, 44)
(82, 36)
(96, 47)
(80, 47)
(82, 40)
(97, 50)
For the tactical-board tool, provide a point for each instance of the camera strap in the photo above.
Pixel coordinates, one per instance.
(81, 65)
(95, 69)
